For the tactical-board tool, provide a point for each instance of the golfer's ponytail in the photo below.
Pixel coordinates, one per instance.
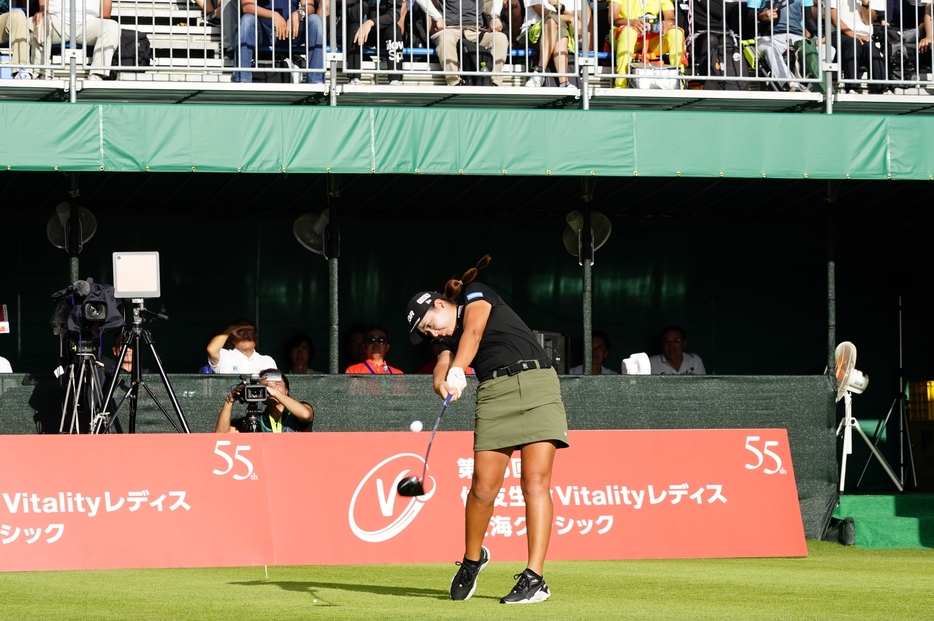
(452, 288)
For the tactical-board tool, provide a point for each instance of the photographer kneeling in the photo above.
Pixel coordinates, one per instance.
(282, 412)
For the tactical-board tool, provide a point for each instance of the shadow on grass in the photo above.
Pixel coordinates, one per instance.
(312, 588)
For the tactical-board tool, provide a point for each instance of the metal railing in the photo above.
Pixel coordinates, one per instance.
(761, 45)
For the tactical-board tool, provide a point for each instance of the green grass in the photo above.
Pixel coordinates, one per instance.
(832, 583)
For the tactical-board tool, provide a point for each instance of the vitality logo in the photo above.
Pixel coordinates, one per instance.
(375, 513)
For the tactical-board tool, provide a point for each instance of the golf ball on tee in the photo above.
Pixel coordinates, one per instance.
(416, 426)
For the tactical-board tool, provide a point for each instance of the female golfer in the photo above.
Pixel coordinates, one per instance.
(518, 407)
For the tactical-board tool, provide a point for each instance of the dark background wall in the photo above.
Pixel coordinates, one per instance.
(749, 287)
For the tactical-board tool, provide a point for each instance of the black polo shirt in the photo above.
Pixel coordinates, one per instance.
(506, 338)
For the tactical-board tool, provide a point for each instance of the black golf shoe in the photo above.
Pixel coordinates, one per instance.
(530, 589)
(464, 582)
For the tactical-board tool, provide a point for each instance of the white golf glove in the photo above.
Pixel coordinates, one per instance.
(457, 381)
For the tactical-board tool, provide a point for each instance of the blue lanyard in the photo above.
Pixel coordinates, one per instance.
(372, 372)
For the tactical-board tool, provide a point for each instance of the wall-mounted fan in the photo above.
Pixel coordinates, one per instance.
(599, 224)
(68, 232)
(309, 230)
(851, 381)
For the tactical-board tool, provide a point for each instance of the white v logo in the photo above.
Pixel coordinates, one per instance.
(386, 503)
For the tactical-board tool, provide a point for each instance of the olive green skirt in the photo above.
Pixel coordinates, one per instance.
(520, 409)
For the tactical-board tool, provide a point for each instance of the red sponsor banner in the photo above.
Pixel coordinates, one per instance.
(82, 502)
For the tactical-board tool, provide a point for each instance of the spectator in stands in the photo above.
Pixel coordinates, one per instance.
(5, 365)
(93, 26)
(637, 28)
(14, 32)
(464, 19)
(233, 350)
(797, 19)
(600, 350)
(265, 23)
(300, 350)
(382, 25)
(674, 360)
(552, 28)
(854, 19)
(912, 20)
(377, 346)
(282, 412)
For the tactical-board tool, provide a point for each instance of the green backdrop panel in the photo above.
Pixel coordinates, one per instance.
(132, 137)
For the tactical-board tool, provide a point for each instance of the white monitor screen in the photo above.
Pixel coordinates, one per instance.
(136, 275)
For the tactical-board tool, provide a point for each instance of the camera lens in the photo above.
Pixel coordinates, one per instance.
(95, 310)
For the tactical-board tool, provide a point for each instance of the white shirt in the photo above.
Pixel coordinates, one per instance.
(532, 16)
(59, 8)
(233, 361)
(691, 364)
(579, 370)
(848, 13)
(5, 365)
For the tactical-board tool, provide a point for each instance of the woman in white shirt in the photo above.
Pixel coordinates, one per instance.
(854, 19)
(552, 27)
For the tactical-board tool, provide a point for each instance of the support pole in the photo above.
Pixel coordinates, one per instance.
(831, 280)
(331, 253)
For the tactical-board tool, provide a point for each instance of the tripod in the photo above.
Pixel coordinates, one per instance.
(83, 389)
(132, 335)
(903, 435)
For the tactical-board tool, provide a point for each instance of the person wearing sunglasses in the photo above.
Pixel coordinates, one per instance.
(674, 360)
(233, 350)
(376, 340)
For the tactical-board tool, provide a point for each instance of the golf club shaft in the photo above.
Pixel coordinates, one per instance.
(444, 406)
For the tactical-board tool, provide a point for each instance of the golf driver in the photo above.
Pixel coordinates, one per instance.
(414, 486)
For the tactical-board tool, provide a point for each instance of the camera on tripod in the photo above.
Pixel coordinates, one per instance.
(85, 308)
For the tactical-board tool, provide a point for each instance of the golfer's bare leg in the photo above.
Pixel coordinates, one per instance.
(537, 461)
(489, 468)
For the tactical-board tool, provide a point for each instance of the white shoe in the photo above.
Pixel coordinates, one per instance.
(395, 83)
(94, 76)
(536, 80)
(354, 81)
(22, 74)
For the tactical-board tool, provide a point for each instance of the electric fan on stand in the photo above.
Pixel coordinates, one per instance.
(852, 381)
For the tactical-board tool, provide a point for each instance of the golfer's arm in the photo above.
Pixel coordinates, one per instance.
(441, 369)
(475, 317)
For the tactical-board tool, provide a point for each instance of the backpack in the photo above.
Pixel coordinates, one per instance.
(135, 50)
(725, 58)
(472, 55)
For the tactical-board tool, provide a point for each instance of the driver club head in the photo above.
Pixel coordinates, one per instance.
(411, 486)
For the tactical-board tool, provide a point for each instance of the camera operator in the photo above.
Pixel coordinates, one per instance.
(282, 413)
(233, 350)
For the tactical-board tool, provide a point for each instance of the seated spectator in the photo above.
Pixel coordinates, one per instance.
(646, 26)
(552, 28)
(5, 365)
(300, 350)
(354, 344)
(674, 360)
(912, 20)
(797, 19)
(377, 346)
(854, 19)
(715, 48)
(233, 350)
(382, 25)
(93, 26)
(281, 24)
(282, 413)
(599, 351)
(14, 33)
(464, 19)
(212, 12)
